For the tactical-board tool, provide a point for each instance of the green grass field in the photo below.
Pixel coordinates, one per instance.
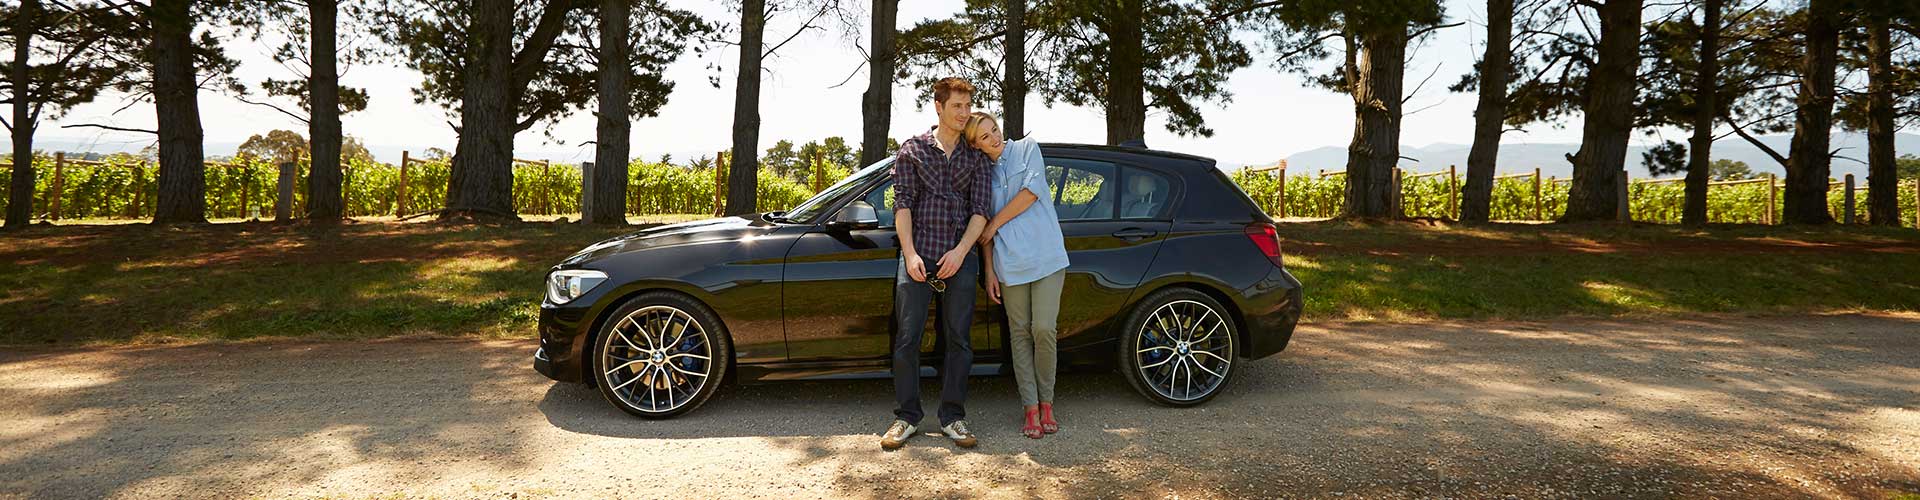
(137, 283)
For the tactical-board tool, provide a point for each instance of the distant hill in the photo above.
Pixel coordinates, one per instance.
(1551, 158)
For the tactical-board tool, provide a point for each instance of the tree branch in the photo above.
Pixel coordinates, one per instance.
(291, 114)
(110, 127)
(1756, 142)
(1430, 29)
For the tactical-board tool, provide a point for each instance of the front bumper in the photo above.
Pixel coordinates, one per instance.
(563, 340)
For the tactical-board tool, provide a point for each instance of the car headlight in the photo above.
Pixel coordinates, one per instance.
(564, 286)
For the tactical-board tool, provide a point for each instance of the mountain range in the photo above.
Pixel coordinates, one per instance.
(1551, 158)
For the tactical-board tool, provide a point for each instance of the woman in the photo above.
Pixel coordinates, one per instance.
(1026, 264)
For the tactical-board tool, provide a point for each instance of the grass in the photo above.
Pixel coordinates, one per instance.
(118, 284)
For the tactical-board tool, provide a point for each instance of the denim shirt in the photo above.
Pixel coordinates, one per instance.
(1030, 246)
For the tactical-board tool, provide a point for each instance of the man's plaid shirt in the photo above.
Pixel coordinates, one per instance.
(942, 192)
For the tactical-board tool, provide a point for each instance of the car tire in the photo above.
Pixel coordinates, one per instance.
(668, 343)
(1178, 347)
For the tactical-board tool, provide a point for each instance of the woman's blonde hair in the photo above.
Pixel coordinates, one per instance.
(975, 128)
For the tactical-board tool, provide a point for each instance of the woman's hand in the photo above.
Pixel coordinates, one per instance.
(987, 234)
(993, 286)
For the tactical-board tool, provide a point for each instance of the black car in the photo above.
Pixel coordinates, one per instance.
(1175, 275)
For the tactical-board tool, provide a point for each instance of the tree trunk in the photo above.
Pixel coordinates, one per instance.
(20, 192)
(1883, 200)
(611, 152)
(481, 183)
(324, 203)
(1376, 84)
(876, 106)
(1489, 117)
(1706, 82)
(176, 103)
(743, 176)
(1608, 116)
(1126, 76)
(1807, 164)
(1014, 88)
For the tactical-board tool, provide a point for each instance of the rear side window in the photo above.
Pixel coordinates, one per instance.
(1212, 197)
(1082, 189)
(1144, 194)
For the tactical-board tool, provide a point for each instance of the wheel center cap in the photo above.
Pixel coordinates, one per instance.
(1182, 348)
(657, 357)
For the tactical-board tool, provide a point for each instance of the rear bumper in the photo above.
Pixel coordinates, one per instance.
(1272, 312)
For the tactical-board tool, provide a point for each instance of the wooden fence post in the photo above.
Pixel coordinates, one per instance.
(59, 183)
(719, 183)
(1849, 200)
(1453, 193)
(1281, 192)
(1537, 200)
(246, 189)
(1770, 185)
(1622, 210)
(400, 192)
(139, 189)
(586, 191)
(1399, 198)
(819, 173)
(283, 207)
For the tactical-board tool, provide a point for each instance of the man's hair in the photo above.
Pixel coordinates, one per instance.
(947, 86)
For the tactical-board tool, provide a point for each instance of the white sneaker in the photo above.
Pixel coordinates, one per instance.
(957, 431)
(896, 435)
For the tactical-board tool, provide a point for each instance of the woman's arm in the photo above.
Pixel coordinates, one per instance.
(1035, 178)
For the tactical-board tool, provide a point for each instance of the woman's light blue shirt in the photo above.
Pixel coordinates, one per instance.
(1030, 246)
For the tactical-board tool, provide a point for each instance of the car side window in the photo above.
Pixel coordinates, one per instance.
(882, 200)
(1082, 189)
(1144, 194)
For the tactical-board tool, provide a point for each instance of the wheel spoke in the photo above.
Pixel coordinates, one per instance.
(688, 355)
(1203, 366)
(1215, 356)
(643, 334)
(623, 366)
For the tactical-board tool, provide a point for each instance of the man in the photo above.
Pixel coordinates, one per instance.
(942, 191)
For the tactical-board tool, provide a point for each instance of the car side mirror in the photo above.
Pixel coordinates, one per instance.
(856, 215)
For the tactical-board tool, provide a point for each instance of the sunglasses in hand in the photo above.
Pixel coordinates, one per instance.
(939, 285)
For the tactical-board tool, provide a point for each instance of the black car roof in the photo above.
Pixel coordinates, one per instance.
(1208, 162)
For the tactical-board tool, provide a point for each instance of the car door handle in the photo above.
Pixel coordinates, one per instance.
(1135, 234)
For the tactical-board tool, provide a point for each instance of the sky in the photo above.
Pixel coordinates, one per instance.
(1271, 114)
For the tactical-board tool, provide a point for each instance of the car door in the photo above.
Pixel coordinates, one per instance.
(1114, 217)
(838, 294)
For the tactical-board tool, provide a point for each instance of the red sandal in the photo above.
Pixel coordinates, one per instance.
(1047, 425)
(1032, 429)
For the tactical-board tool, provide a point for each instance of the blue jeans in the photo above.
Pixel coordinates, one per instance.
(910, 300)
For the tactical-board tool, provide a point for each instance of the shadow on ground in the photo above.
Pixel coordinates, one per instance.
(1821, 406)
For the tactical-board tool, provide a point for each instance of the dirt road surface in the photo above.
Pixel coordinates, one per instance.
(1818, 406)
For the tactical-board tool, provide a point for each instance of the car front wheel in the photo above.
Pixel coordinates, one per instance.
(1178, 347)
(661, 355)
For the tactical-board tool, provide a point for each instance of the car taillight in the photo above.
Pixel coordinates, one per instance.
(1267, 238)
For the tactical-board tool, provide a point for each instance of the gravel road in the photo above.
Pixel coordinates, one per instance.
(1810, 406)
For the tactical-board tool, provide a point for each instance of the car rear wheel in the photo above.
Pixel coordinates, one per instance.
(1178, 349)
(660, 355)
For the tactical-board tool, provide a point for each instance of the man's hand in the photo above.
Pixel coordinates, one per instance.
(951, 261)
(993, 286)
(916, 269)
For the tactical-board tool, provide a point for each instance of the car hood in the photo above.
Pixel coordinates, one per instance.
(699, 231)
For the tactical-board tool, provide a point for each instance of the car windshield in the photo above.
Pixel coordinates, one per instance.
(811, 208)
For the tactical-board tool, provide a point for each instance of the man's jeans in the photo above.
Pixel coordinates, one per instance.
(910, 300)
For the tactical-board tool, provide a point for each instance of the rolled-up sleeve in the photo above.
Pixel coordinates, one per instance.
(906, 189)
(980, 196)
(1036, 175)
